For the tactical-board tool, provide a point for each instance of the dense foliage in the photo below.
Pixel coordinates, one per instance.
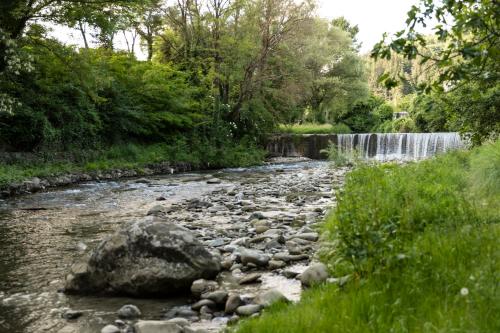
(415, 248)
(458, 66)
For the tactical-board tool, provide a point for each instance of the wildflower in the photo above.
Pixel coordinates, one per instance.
(464, 291)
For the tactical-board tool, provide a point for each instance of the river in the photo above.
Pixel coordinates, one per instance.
(42, 234)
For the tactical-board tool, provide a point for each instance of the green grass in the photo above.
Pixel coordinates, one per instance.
(132, 156)
(312, 128)
(420, 243)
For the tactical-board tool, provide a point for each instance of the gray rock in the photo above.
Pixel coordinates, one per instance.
(219, 296)
(204, 302)
(248, 310)
(276, 264)
(288, 257)
(255, 257)
(202, 286)
(72, 314)
(110, 329)
(250, 278)
(151, 257)
(314, 274)
(260, 229)
(310, 236)
(157, 210)
(270, 297)
(232, 303)
(182, 322)
(156, 326)
(129, 311)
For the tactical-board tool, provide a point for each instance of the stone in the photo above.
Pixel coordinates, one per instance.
(143, 181)
(276, 264)
(129, 311)
(157, 210)
(270, 297)
(182, 322)
(290, 274)
(156, 326)
(250, 278)
(214, 181)
(314, 274)
(72, 314)
(255, 257)
(232, 303)
(233, 320)
(248, 310)
(202, 286)
(310, 236)
(110, 329)
(260, 229)
(204, 302)
(219, 296)
(289, 257)
(149, 258)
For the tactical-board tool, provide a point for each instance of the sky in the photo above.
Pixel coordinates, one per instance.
(374, 17)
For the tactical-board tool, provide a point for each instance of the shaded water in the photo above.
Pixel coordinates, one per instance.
(42, 234)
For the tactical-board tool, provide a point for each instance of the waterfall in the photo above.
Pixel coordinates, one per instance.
(398, 146)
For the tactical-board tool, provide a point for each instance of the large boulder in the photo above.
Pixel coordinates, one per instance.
(150, 257)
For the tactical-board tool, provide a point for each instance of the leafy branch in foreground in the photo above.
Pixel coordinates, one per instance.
(469, 34)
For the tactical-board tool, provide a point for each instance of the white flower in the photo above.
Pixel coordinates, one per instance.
(464, 291)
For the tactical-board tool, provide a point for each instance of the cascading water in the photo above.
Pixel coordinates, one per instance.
(398, 146)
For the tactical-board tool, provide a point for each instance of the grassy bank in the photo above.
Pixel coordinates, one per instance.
(420, 245)
(130, 156)
(312, 128)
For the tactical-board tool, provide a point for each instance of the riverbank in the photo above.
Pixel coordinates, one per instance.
(413, 248)
(29, 173)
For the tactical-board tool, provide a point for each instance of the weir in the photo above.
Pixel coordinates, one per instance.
(377, 146)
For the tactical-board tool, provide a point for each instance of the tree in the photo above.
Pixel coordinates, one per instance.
(469, 32)
(466, 63)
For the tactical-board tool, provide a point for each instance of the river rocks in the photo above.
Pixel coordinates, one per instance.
(314, 274)
(232, 303)
(219, 296)
(110, 329)
(310, 236)
(203, 286)
(182, 322)
(150, 257)
(250, 278)
(270, 297)
(248, 310)
(72, 314)
(255, 257)
(276, 264)
(156, 326)
(129, 311)
(204, 302)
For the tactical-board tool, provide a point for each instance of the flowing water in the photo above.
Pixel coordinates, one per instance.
(42, 234)
(398, 146)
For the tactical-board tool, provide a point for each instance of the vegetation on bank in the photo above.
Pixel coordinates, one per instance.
(418, 247)
(131, 157)
(314, 128)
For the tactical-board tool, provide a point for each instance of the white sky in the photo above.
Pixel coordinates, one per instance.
(374, 17)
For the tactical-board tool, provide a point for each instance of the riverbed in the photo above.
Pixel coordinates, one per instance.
(42, 234)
